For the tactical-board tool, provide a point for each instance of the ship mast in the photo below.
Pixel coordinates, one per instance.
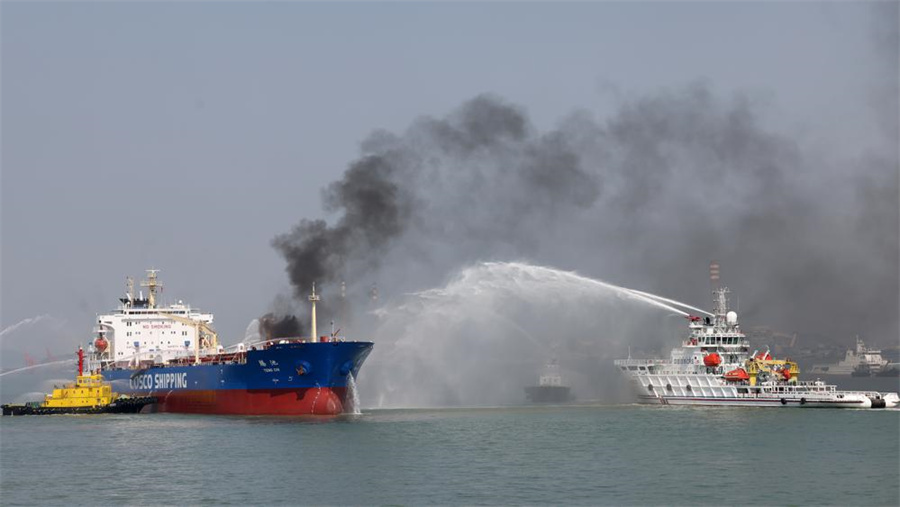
(312, 299)
(151, 284)
(721, 305)
(720, 301)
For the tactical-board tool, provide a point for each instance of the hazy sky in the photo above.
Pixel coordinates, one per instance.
(186, 136)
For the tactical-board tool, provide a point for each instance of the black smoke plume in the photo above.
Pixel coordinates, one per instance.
(645, 198)
(273, 326)
(374, 212)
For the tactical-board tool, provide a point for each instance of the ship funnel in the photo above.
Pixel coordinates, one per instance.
(314, 337)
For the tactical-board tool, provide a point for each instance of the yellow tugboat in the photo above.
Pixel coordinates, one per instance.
(90, 394)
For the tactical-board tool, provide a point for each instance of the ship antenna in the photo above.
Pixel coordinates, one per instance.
(129, 284)
(312, 299)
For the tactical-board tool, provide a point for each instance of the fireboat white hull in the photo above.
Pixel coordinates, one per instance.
(708, 390)
(756, 402)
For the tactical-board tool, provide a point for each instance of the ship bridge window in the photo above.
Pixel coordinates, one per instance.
(632, 368)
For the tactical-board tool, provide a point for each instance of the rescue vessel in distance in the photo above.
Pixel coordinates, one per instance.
(713, 366)
(172, 353)
(550, 388)
(90, 394)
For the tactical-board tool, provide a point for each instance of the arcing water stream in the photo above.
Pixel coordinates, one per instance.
(24, 322)
(483, 337)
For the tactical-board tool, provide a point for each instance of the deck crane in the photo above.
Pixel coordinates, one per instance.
(202, 328)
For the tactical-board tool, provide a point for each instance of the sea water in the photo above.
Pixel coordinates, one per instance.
(553, 455)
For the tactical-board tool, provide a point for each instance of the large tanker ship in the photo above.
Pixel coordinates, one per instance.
(714, 366)
(172, 353)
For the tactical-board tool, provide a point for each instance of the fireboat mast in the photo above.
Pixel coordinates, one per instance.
(721, 304)
(312, 299)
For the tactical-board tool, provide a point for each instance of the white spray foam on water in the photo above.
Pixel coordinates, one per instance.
(484, 336)
(352, 396)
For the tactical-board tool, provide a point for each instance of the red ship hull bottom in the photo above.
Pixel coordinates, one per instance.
(305, 401)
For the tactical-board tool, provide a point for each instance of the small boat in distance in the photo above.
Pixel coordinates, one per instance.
(90, 394)
(550, 388)
(861, 362)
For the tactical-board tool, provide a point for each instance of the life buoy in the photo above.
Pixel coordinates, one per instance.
(803, 401)
(783, 401)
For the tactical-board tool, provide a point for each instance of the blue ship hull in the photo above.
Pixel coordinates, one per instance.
(294, 378)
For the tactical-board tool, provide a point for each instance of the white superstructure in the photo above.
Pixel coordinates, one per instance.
(551, 376)
(714, 366)
(139, 330)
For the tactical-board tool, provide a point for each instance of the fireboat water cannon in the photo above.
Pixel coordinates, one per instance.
(313, 337)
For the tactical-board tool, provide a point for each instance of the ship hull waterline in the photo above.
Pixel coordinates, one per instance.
(755, 402)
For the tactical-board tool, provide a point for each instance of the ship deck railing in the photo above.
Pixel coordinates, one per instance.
(239, 357)
(641, 362)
